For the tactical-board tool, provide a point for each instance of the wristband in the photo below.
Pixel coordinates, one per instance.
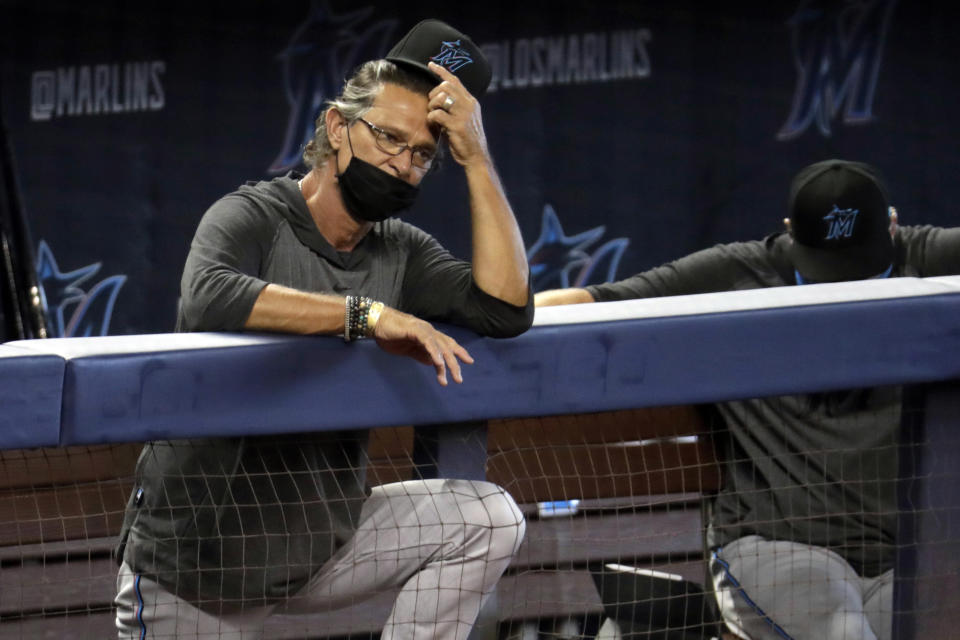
(373, 317)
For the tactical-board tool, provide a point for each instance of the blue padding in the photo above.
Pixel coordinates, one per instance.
(694, 359)
(31, 387)
(145, 387)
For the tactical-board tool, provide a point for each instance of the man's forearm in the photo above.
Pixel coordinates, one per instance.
(499, 257)
(555, 297)
(291, 311)
(288, 310)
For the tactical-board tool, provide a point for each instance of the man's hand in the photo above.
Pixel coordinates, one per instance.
(455, 109)
(405, 335)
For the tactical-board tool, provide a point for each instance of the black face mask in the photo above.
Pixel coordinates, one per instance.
(372, 194)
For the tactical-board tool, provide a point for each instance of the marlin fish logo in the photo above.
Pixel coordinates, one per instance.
(71, 311)
(837, 48)
(841, 222)
(452, 56)
(323, 51)
(559, 260)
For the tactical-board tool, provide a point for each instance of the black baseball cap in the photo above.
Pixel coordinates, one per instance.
(840, 222)
(433, 40)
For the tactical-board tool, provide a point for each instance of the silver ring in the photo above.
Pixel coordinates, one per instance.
(447, 103)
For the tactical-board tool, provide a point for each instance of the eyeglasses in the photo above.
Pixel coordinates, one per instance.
(390, 144)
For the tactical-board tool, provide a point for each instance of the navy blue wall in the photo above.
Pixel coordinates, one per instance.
(671, 125)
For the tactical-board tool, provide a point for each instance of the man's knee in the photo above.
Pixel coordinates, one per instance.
(506, 519)
(499, 509)
(488, 509)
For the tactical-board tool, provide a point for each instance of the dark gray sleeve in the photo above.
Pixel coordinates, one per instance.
(439, 287)
(220, 279)
(707, 271)
(931, 251)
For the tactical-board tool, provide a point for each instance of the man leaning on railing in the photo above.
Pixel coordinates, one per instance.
(803, 531)
(222, 532)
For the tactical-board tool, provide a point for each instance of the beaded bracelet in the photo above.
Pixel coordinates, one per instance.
(355, 319)
(347, 313)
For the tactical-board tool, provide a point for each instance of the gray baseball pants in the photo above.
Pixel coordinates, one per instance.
(778, 590)
(445, 543)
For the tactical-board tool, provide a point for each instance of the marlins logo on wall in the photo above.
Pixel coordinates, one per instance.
(837, 48)
(319, 55)
(71, 310)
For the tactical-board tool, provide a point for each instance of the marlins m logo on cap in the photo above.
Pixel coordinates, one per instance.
(435, 41)
(452, 56)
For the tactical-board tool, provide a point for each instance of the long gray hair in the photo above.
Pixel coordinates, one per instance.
(359, 92)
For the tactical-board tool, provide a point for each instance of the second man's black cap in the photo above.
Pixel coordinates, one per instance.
(840, 220)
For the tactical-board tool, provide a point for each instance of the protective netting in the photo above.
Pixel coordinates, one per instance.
(634, 520)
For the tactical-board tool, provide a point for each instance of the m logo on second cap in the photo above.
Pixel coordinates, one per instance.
(841, 222)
